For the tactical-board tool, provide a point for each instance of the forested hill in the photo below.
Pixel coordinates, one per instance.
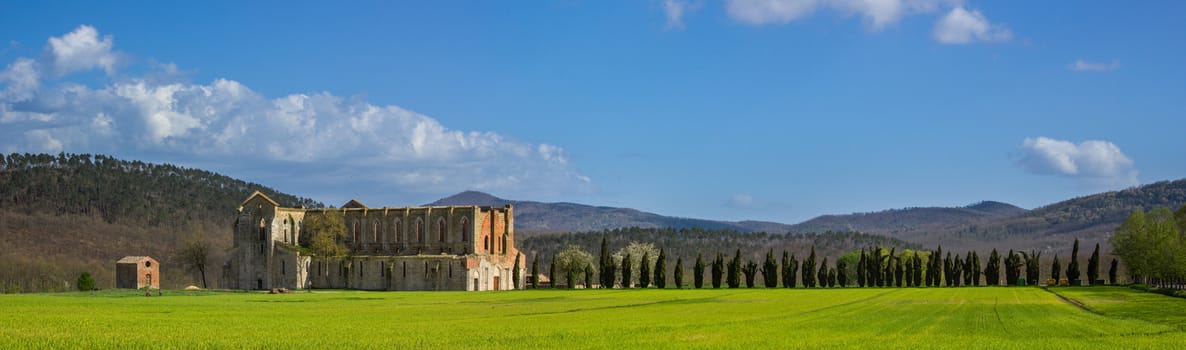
(895, 219)
(123, 191)
(64, 214)
(537, 217)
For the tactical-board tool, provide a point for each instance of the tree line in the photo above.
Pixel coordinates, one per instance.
(643, 265)
(1153, 246)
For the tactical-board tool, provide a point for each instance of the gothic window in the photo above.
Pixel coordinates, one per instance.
(355, 231)
(464, 229)
(263, 230)
(441, 229)
(504, 244)
(397, 229)
(419, 230)
(486, 242)
(376, 229)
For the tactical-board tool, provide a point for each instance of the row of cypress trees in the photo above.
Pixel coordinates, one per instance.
(874, 269)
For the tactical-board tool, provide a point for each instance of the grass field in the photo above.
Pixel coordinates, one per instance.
(987, 317)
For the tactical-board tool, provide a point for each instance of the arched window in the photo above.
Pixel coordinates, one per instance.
(486, 242)
(355, 235)
(441, 229)
(504, 244)
(464, 229)
(397, 230)
(376, 233)
(419, 230)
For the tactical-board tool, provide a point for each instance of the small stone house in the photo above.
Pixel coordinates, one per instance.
(135, 272)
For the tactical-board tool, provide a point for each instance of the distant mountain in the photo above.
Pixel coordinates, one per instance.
(1091, 218)
(538, 217)
(985, 224)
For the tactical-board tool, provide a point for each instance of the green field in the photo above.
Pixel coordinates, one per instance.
(986, 317)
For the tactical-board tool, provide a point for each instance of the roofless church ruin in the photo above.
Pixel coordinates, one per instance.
(405, 248)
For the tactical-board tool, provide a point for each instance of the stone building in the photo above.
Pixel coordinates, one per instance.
(405, 248)
(135, 272)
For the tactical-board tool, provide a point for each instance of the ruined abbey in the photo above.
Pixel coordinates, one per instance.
(406, 248)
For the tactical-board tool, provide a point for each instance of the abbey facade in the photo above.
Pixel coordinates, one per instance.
(408, 248)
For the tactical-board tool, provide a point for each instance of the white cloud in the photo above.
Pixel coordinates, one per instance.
(82, 49)
(741, 201)
(675, 10)
(960, 26)
(327, 137)
(760, 12)
(876, 14)
(1085, 66)
(1094, 161)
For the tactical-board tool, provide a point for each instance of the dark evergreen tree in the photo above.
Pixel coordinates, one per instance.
(1112, 271)
(627, 271)
(698, 272)
(992, 271)
(718, 270)
(515, 273)
(899, 272)
(957, 271)
(535, 272)
(1055, 270)
(841, 273)
(1073, 265)
(661, 270)
(809, 270)
(770, 270)
(786, 271)
(733, 279)
(887, 275)
(918, 269)
(861, 269)
(607, 265)
(1093, 265)
(679, 272)
(1012, 268)
(947, 270)
(792, 272)
(588, 276)
(1032, 269)
(822, 275)
(975, 269)
(644, 271)
(832, 277)
(750, 269)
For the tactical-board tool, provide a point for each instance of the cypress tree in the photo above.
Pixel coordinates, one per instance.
(679, 272)
(1093, 265)
(698, 271)
(1073, 265)
(1055, 269)
(515, 273)
(809, 270)
(947, 270)
(718, 269)
(661, 270)
(770, 271)
(644, 271)
(841, 273)
(823, 273)
(786, 270)
(899, 272)
(861, 270)
(992, 272)
(627, 271)
(1112, 271)
(750, 269)
(975, 269)
(831, 277)
(918, 269)
(535, 272)
(607, 265)
(792, 272)
(734, 276)
(588, 276)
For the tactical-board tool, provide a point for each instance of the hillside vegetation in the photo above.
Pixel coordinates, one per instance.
(65, 214)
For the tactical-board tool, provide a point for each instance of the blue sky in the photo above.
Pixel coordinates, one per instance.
(775, 110)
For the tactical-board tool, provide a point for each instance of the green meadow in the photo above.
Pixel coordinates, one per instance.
(878, 318)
